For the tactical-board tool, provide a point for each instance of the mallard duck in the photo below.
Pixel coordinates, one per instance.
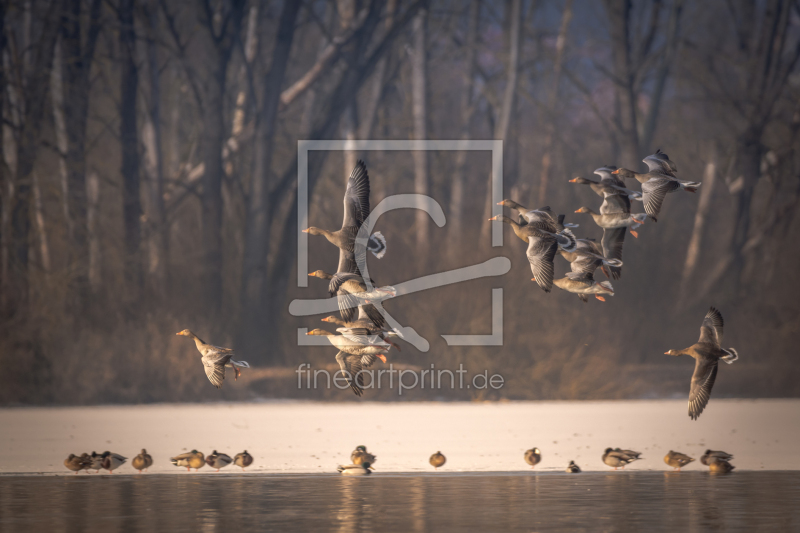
(437, 460)
(355, 470)
(356, 211)
(712, 456)
(617, 459)
(192, 459)
(215, 359)
(572, 468)
(97, 461)
(76, 463)
(583, 284)
(111, 461)
(720, 467)
(533, 456)
(143, 461)
(629, 453)
(218, 460)
(369, 326)
(707, 354)
(360, 456)
(543, 240)
(658, 182)
(243, 460)
(677, 459)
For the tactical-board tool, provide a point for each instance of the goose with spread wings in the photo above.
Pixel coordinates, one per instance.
(353, 293)
(614, 226)
(707, 353)
(658, 182)
(544, 239)
(356, 211)
(357, 350)
(215, 359)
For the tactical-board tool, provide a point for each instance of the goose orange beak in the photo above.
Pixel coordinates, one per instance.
(573, 180)
(500, 203)
(666, 353)
(305, 231)
(493, 218)
(577, 210)
(615, 171)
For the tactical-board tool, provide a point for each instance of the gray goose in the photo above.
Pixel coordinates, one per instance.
(352, 294)
(610, 185)
(357, 350)
(707, 353)
(658, 182)
(356, 211)
(365, 323)
(543, 238)
(614, 225)
(583, 284)
(215, 359)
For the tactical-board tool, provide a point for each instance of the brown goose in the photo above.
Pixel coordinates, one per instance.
(543, 240)
(712, 456)
(356, 211)
(352, 294)
(677, 459)
(369, 325)
(658, 182)
(707, 353)
(215, 359)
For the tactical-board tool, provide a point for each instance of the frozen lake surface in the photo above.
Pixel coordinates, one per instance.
(309, 437)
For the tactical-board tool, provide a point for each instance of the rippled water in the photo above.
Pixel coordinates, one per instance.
(613, 501)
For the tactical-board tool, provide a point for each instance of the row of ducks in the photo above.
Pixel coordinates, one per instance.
(111, 461)
(716, 460)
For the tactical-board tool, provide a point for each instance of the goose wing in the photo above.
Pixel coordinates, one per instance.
(356, 197)
(215, 369)
(660, 162)
(351, 368)
(705, 372)
(541, 252)
(613, 240)
(615, 203)
(653, 192)
(711, 330)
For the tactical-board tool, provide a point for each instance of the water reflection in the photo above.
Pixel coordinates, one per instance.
(619, 501)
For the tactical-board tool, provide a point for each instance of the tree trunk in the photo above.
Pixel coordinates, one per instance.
(76, 62)
(41, 224)
(748, 165)
(512, 74)
(695, 243)
(257, 230)
(158, 241)
(467, 111)
(93, 231)
(550, 126)
(132, 208)
(619, 14)
(62, 143)
(419, 88)
(35, 92)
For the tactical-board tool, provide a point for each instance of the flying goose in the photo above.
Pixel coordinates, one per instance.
(215, 359)
(707, 354)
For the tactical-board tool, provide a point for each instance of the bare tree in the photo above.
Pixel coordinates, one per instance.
(419, 97)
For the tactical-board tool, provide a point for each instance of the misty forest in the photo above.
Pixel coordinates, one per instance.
(149, 173)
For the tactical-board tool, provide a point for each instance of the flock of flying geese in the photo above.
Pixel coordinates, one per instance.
(111, 461)
(363, 335)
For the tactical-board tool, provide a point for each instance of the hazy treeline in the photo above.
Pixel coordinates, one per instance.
(149, 173)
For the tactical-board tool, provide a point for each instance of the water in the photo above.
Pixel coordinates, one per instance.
(613, 501)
